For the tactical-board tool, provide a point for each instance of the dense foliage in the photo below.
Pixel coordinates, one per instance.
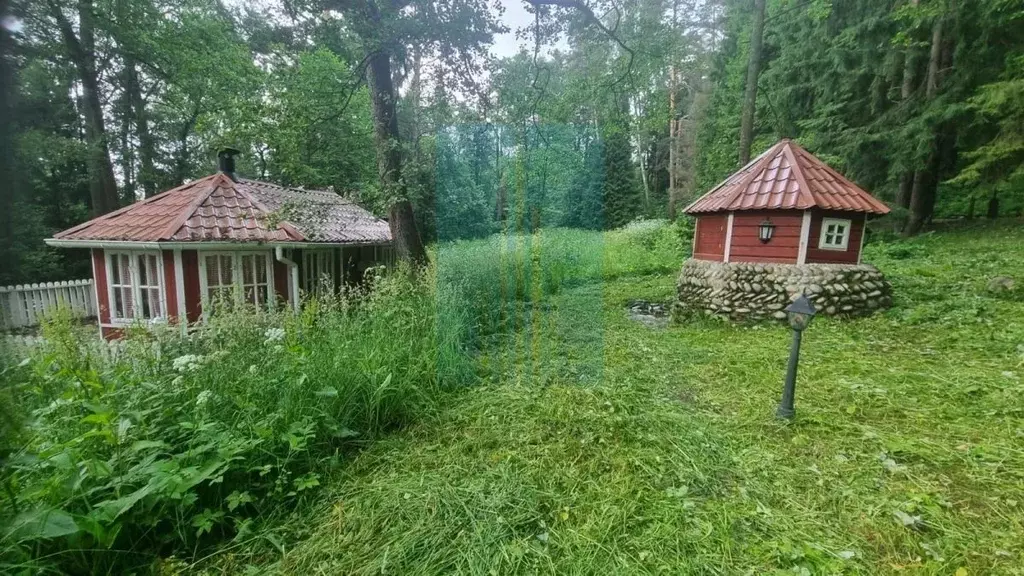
(902, 96)
(180, 442)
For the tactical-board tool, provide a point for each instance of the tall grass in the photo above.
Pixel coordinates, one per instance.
(182, 442)
(499, 275)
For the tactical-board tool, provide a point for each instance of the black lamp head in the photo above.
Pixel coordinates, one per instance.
(800, 312)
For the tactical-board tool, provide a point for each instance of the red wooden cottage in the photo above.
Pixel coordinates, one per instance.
(166, 257)
(785, 206)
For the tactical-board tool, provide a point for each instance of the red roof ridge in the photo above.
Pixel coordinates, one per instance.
(798, 172)
(194, 205)
(764, 158)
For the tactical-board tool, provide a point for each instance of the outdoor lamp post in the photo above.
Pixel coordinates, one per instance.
(800, 312)
(765, 230)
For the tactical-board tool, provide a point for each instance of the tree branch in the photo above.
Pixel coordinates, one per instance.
(592, 18)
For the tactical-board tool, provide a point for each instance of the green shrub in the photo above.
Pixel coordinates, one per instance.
(182, 442)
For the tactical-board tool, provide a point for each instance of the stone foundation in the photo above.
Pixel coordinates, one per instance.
(755, 291)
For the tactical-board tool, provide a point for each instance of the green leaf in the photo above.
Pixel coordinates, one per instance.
(147, 444)
(42, 523)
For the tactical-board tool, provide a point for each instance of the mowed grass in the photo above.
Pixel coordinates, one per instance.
(596, 445)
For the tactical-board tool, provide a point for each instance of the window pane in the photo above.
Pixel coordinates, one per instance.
(126, 270)
(247, 271)
(226, 270)
(128, 309)
(212, 270)
(261, 270)
(146, 306)
(118, 309)
(115, 275)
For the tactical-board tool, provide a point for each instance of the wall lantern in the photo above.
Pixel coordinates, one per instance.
(765, 230)
(799, 312)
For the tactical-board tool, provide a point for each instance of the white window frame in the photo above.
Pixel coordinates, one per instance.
(136, 287)
(316, 260)
(841, 246)
(237, 279)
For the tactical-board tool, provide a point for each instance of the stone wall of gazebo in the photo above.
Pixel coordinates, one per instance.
(755, 291)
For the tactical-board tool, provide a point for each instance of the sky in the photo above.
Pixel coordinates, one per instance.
(515, 17)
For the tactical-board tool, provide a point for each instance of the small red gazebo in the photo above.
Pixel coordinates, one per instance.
(785, 224)
(785, 206)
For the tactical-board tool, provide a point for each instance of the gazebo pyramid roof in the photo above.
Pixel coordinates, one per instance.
(787, 177)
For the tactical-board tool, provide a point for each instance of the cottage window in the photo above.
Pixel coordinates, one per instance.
(237, 277)
(134, 286)
(317, 269)
(835, 234)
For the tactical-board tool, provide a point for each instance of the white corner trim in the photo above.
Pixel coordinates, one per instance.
(179, 290)
(96, 288)
(728, 237)
(696, 231)
(863, 233)
(805, 237)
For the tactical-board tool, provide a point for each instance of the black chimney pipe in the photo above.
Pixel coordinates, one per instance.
(226, 162)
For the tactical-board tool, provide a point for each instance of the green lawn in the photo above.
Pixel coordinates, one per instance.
(597, 445)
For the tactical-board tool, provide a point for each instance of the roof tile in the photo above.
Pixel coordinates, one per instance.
(787, 177)
(220, 209)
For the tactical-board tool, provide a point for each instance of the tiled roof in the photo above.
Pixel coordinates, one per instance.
(217, 208)
(787, 177)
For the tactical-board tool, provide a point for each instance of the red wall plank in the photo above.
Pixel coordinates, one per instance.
(190, 272)
(851, 254)
(784, 245)
(281, 281)
(710, 237)
(99, 266)
(170, 286)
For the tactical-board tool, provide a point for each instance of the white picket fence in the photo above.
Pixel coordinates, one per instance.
(25, 305)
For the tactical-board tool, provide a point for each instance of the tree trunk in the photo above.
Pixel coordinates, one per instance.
(753, 71)
(182, 155)
(992, 210)
(906, 90)
(672, 135)
(406, 237)
(10, 189)
(922, 194)
(147, 144)
(81, 50)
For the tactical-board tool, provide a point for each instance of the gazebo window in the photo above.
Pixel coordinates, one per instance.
(835, 234)
(134, 286)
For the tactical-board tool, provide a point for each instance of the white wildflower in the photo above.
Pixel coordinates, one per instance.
(203, 398)
(273, 335)
(187, 363)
